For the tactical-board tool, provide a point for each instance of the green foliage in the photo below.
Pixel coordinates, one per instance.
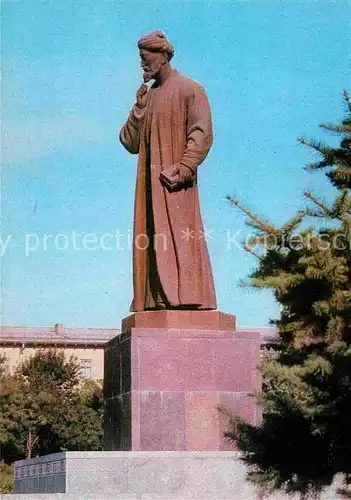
(10, 410)
(45, 408)
(6, 478)
(85, 430)
(304, 439)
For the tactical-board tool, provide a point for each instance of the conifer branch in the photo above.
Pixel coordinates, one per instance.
(310, 144)
(318, 203)
(252, 252)
(287, 228)
(347, 99)
(343, 172)
(265, 226)
(245, 284)
(340, 129)
(317, 165)
(263, 239)
(329, 154)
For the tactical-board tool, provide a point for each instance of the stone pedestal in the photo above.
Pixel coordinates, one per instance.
(140, 475)
(167, 374)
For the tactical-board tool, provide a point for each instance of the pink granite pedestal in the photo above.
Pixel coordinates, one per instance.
(166, 375)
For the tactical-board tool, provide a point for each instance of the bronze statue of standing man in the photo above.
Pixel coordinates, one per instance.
(170, 128)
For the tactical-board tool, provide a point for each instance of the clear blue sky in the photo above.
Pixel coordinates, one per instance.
(273, 71)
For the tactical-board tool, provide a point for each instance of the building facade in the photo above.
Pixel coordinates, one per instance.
(18, 343)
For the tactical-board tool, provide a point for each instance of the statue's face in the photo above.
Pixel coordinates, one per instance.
(152, 62)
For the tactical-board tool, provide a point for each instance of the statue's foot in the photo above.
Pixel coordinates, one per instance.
(160, 306)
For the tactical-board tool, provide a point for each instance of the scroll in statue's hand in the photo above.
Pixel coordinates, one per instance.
(176, 177)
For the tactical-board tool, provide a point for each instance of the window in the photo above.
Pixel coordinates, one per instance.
(85, 368)
(6, 364)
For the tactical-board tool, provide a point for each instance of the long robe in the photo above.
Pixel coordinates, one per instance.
(175, 127)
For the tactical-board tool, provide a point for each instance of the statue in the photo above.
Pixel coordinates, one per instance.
(170, 128)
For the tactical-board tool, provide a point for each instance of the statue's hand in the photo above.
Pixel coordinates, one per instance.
(186, 175)
(141, 96)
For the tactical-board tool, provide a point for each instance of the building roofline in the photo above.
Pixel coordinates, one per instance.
(57, 335)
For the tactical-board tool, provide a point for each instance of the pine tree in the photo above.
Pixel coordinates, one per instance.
(304, 439)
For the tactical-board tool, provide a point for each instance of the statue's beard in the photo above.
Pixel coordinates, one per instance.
(151, 73)
(147, 76)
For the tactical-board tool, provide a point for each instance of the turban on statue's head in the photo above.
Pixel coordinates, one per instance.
(156, 41)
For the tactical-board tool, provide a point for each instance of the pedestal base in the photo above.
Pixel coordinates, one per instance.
(100, 475)
(163, 385)
(132, 475)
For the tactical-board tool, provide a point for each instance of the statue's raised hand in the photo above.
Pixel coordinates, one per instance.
(141, 96)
